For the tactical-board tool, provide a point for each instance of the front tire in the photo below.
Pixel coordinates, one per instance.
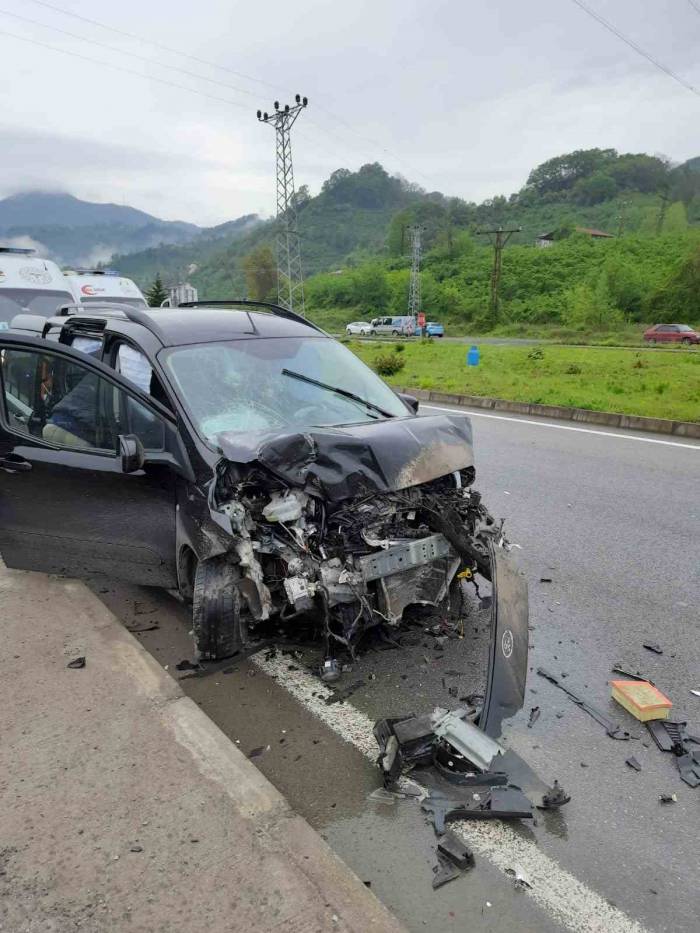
(395, 333)
(220, 629)
(652, 342)
(348, 332)
(363, 333)
(686, 341)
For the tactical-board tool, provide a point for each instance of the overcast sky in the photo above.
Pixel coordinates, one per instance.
(459, 96)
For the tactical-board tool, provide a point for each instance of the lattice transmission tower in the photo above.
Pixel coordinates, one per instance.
(290, 280)
(414, 305)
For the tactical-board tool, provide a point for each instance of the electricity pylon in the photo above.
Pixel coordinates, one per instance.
(290, 280)
(498, 237)
(414, 304)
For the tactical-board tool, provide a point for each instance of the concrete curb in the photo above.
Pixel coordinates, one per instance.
(102, 749)
(608, 419)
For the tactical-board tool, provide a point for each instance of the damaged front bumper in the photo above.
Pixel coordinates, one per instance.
(355, 527)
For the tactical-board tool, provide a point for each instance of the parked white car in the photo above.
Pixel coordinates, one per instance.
(363, 328)
(91, 285)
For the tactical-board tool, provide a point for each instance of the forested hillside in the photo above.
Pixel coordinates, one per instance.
(355, 246)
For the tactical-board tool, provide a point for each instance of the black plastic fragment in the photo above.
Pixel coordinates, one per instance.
(456, 851)
(633, 763)
(77, 664)
(554, 798)
(444, 871)
(618, 669)
(652, 646)
(497, 803)
(534, 716)
(612, 728)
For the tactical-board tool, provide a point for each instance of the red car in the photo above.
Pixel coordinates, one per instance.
(671, 333)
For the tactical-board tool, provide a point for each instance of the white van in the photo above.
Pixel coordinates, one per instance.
(91, 285)
(29, 285)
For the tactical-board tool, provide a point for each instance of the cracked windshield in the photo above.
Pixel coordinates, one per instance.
(274, 384)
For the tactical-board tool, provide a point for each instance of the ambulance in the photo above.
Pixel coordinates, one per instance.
(99, 285)
(29, 285)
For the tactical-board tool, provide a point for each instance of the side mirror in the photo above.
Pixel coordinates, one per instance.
(409, 400)
(131, 453)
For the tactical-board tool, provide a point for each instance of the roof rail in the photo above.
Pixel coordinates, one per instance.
(249, 303)
(111, 309)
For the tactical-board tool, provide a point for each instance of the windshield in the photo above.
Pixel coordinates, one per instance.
(241, 385)
(15, 301)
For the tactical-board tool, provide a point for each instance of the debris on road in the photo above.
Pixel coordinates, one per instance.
(494, 803)
(534, 716)
(630, 675)
(186, 665)
(696, 693)
(633, 763)
(673, 737)
(330, 671)
(652, 646)
(521, 880)
(667, 798)
(257, 752)
(641, 699)
(456, 851)
(77, 663)
(612, 729)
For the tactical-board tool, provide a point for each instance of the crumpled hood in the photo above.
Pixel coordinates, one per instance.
(380, 456)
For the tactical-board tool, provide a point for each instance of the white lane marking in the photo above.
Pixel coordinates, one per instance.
(564, 427)
(571, 902)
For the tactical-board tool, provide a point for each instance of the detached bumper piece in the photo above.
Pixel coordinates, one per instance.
(496, 803)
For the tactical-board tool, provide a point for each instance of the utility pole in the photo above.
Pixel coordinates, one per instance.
(290, 280)
(498, 237)
(663, 207)
(622, 218)
(414, 305)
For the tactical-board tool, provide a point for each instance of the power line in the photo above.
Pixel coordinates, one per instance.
(129, 71)
(637, 48)
(158, 45)
(695, 6)
(212, 64)
(141, 58)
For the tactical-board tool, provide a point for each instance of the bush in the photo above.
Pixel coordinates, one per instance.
(399, 348)
(388, 364)
(573, 370)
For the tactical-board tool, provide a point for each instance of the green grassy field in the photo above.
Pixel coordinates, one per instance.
(655, 384)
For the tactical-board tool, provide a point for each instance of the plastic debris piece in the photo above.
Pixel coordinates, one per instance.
(444, 871)
(555, 797)
(382, 795)
(521, 879)
(696, 693)
(652, 646)
(667, 798)
(456, 851)
(534, 716)
(77, 664)
(330, 671)
(612, 728)
(633, 763)
(257, 752)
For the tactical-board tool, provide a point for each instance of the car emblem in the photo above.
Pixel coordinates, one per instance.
(507, 643)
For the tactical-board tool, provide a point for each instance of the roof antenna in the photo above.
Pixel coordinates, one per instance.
(254, 329)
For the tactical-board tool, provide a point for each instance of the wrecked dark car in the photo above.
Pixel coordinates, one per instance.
(243, 456)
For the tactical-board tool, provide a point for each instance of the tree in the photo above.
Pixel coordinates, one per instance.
(156, 294)
(260, 272)
(594, 189)
(562, 172)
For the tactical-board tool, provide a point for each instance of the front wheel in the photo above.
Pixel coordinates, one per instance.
(395, 333)
(220, 629)
(652, 342)
(686, 341)
(363, 333)
(348, 332)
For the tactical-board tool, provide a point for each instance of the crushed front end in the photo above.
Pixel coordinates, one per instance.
(354, 527)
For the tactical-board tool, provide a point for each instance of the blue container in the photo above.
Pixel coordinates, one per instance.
(473, 356)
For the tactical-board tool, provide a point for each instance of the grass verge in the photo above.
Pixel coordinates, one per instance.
(663, 385)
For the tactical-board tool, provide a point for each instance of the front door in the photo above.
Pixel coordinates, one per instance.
(66, 506)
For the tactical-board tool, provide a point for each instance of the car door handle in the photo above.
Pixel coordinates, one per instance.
(14, 463)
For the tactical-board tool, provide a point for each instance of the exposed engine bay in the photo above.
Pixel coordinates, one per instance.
(361, 562)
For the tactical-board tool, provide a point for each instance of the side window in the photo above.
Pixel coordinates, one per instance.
(62, 402)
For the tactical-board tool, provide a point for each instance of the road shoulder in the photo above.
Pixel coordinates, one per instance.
(122, 803)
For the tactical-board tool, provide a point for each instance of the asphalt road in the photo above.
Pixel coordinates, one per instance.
(613, 518)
